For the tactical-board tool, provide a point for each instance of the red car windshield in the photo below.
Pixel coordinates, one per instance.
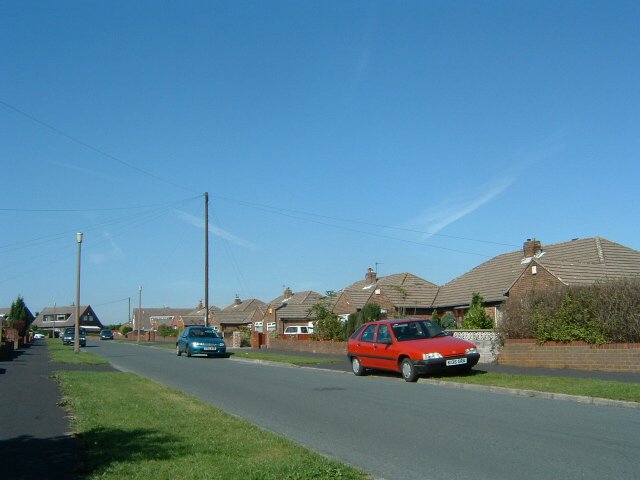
(416, 330)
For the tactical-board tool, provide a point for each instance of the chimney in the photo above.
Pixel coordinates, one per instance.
(237, 300)
(370, 276)
(531, 247)
(287, 293)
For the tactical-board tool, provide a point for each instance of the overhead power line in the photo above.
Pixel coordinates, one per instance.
(92, 148)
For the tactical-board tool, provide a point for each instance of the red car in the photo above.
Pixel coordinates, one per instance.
(410, 346)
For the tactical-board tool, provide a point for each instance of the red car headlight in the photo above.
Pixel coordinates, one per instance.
(431, 356)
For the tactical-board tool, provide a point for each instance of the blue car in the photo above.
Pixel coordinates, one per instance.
(199, 340)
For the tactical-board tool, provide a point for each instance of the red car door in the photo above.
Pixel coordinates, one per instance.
(385, 349)
(364, 347)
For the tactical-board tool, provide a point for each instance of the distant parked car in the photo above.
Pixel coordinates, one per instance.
(298, 330)
(106, 334)
(68, 337)
(410, 346)
(199, 340)
(38, 335)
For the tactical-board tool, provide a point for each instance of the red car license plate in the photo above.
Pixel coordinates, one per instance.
(456, 361)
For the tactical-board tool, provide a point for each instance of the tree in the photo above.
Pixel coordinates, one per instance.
(435, 318)
(369, 313)
(124, 329)
(328, 326)
(477, 318)
(448, 321)
(19, 317)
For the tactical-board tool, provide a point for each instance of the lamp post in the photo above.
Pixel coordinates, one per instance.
(76, 337)
(139, 311)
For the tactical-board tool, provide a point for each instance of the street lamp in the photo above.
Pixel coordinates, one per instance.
(76, 338)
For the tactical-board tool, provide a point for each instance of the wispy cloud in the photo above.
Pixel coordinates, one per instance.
(215, 230)
(455, 207)
(76, 168)
(114, 253)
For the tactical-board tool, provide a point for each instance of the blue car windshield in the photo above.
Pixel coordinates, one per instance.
(203, 332)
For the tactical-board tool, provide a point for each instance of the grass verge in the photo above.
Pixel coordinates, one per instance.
(59, 353)
(132, 428)
(625, 391)
(283, 358)
(264, 355)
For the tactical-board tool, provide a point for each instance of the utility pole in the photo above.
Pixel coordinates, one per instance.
(206, 259)
(129, 317)
(139, 311)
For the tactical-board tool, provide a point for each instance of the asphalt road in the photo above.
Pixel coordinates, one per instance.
(398, 430)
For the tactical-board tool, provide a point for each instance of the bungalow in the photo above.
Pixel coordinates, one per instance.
(151, 318)
(194, 317)
(574, 263)
(291, 309)
(239, 314)
(56, 318)
(398, 295)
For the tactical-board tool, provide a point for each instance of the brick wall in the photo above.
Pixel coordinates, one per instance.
(313, 346)
(617, 357)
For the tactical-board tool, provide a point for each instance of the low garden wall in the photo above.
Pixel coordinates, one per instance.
(313, 346)
(488, 342)
(615, 357)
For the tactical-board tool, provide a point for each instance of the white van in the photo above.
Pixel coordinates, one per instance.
(298, 330)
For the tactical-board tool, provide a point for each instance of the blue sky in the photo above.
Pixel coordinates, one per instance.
(332, 136)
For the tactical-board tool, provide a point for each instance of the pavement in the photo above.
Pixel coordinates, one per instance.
(35, 439)
(35, 432)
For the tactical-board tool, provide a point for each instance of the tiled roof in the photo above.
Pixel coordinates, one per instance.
(245, 305)
(403, 289)
(577, 262)
(235, 318)
(238, 313)
(296, 306)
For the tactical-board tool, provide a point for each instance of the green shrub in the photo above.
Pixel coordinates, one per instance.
(604, 312)
(125, 329)
(477, 318)
(166, 331)
(328, 326)
(448, 321)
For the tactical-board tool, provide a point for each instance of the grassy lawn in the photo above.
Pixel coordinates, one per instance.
(59, 353)
(132, 428)
(587, 387)
(283, 358)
